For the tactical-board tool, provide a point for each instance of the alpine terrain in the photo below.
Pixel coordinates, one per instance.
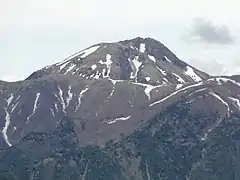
(129, 110)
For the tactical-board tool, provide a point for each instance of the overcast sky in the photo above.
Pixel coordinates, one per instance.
(36, 33)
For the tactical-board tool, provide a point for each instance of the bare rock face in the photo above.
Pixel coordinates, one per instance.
(124, 110)
(108, 86)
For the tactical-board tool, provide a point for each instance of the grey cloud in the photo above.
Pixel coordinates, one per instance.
(206, 31)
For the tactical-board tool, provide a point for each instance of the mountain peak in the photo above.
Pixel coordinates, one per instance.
(140, 60)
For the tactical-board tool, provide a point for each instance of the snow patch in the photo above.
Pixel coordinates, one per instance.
(9, 100)
(56, 106)
(94, 66)
(152, 58)
(60, 94)
(119, 119)
(34, 107)
(190, 72)
(199, 90)
(70, 68)
(5, 128)
(63, 66)
(108, 63)
(147, 79)
(225, 80)
(142, 48)
(7, 120)
(236, 101)
(85, 53)
(80, 98)
(89, 51)
(97, 75)
(179, 86)
(179, 79)
(176, 92)
(220, 99)
(136, 65)
(70, 96)
(114, 81)
(52, 111)
(14, 107)
(162, 71)
(220, 120)
(167, 59)
(148, 89)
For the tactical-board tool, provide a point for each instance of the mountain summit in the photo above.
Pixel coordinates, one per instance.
(137, 60)
(102, 84)
(126, 110)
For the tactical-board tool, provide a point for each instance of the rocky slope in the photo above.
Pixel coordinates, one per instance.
(127, 110)
(106, 83)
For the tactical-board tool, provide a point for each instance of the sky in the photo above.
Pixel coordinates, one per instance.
(37, 33)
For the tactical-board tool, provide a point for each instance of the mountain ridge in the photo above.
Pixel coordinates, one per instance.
(124, 110)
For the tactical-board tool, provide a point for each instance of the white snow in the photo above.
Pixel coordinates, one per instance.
(119, 119)
(179, 79)
(7, 120)
(5, 128)
(108, 63)
(14, 107)
(199, 90)
(52, 111)
(97, 76)
(190, 72)
(112, 92)
(60, 93)
(70, 96)
(34, 107)
(220, 120)
(63, 65)
(136, 65)
(176, 92)
(70, 68)
(152, 58)
(179, 86)
(9, 100)
(104, 72)
(147, 79)
(17, 98)
(220, 99)
(166, 81)
(89, 51)
(162, 71)
(224, 80)
(236, 101)
(85, 53)
(148, 89)
(142, 48)
(56, 106)
(115, 81)
(167, 59)
(94, 66)
(80, 98)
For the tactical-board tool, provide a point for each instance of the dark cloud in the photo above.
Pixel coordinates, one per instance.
(208, 32)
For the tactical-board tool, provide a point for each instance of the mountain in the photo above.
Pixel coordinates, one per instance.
(105, 83)
(126, 110)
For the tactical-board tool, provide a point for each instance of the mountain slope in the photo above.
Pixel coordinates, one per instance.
(139, 60)
(185, 140)
(107, 83)
(126, 110)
